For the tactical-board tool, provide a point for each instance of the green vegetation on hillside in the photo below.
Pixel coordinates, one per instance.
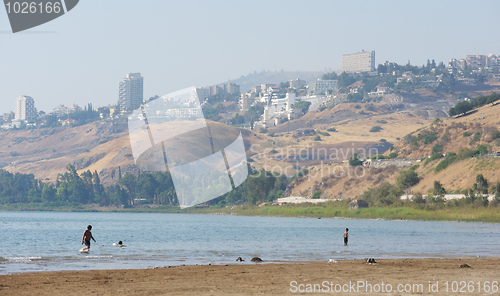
(466, 106)
(303, 106)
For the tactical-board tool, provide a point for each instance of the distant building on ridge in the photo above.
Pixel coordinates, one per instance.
(219, 89)
(130, 92)
(25, 109)
(358, 62)
(322, 87)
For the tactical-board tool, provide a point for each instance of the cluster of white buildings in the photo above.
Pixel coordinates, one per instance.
(486, 64)
(278, 106)
(206, 92)
(62, 110)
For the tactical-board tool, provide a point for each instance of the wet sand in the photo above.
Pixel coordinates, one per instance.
(347, 277)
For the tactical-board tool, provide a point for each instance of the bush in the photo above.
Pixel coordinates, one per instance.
(381, 121)
(407, 179)
(476, 138)
(418, 198)
(495, 134)
(300, 174)
(316, 195)
(332, 129)
(465, 106)
(429, 137)
(467, 134)
(482, 149)
(302, 105)
(450, 158)
(438, 189)
(437, 149)
(437, 120)
(317, 138)
(357, 106)
(379, 156)
(425, 137)
(375, 129)
(384, 194)
(354, 160)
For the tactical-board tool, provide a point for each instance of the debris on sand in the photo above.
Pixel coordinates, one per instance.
(256, 259)
(370, 260)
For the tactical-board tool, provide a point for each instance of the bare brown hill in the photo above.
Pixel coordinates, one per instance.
(453, 134)
(461, 136)
(46, 152)
(103, 147)
(444, 136)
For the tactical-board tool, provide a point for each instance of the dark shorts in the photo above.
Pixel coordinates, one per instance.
(345, 240)
(87, 243)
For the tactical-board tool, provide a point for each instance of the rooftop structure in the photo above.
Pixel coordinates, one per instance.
(359, 62)
(130, 92)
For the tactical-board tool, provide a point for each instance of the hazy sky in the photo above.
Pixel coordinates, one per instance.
(81, 56)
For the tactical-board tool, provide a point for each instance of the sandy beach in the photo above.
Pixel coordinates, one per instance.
(474, 276)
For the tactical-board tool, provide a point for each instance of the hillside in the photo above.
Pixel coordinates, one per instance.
(341, 130)
(320, 142)
(453, 134)
(46, 152)
(460, 135)
(102, 146)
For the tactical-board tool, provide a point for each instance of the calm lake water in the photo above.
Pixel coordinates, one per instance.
(49, 241)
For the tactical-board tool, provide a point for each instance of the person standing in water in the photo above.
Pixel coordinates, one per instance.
(346, 236)
(87, 236)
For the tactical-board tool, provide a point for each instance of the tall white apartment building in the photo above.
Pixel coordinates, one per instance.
(130, 92)
(359, 62)
(25, 109)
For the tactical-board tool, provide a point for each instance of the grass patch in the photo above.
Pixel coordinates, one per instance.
(433, 157)
(330, 209)
(449, 159)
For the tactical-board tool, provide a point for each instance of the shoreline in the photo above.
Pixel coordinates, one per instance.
(269, 279)
(481, 215)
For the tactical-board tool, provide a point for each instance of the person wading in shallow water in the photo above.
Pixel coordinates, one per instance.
(346, 236)
(87, 236)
